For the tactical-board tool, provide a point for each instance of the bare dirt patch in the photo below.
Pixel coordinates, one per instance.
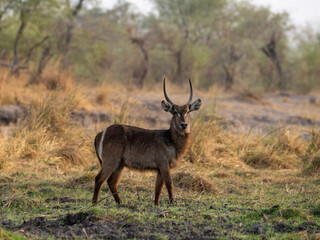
(86, 224)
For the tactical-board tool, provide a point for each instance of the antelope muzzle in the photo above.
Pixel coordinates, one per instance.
(183, 125)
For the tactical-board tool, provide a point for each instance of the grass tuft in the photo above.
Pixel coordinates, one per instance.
(311, 158)
(247, 95)
(312, 166)
(47, 136)
(53, 79)
(260, 159)
(212, 144)
(51, 114)
(194, 182)
(70, 154)
(84, 179)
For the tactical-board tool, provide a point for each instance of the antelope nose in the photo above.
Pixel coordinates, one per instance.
(183, 125)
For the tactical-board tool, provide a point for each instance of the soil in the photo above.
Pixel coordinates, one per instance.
(86, 224)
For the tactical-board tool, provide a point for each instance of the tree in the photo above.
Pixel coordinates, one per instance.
(185, 23)
(68, 35)
(270, 51)
(29, 36)
(25, 9)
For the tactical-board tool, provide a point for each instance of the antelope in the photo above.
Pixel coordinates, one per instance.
(120, 146)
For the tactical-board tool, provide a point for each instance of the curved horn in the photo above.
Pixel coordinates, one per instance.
(191, 93)
(165, 93)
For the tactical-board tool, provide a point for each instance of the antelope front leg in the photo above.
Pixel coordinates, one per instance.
(165, 174)
(159, 186)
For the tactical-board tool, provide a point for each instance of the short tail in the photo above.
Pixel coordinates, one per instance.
(96, 147)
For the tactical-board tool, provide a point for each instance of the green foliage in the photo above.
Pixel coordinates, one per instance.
(210, 41)
(308, 65)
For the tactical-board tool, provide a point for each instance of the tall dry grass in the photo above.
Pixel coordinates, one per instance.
(12, 88)
(311, 159)
(47, 138)
(211, 143)
(214, 145)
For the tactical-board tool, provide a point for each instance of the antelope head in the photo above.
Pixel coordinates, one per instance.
(180, 114)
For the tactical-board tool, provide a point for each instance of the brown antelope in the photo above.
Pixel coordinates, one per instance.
(121, 146)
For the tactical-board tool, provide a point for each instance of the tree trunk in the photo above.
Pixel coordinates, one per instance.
(140, 72)
(15, 67)
(270, 51)
(178, 76)
(70, 26)
(229, 79)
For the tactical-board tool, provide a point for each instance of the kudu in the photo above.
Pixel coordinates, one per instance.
(121, 146)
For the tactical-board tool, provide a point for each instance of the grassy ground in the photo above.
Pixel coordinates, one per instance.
(248, 205)
(229, 185)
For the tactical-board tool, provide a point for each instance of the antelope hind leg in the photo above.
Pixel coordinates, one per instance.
(100, 178)
(159, 186)
(113, 183)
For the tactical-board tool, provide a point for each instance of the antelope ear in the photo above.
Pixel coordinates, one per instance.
(195, 105)
(167, 106)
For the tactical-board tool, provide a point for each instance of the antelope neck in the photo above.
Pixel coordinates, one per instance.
(180, 139)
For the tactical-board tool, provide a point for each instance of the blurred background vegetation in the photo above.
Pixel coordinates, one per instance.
(233, 44)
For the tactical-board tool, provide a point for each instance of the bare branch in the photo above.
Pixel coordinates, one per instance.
(34, 47)
(77, 8)
(16, 42)
(13, 65)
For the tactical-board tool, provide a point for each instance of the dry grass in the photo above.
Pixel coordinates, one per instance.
(12, 88)
(210, 143)
(53, 78)
(47, 138)
(85, 179)
(313, 166)
(224, 174)
(247, 95)
(102, 96)
(18, 90)
(189, 181)
(280, 149)
(311, 158)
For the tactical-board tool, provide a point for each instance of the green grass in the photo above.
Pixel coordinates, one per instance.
(248, 209)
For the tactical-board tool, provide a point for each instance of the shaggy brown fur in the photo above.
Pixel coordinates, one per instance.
(136, 148)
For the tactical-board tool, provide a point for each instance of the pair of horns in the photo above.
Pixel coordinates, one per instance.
(168, 99)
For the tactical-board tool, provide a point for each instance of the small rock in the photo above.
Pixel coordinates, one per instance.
(313, 100)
